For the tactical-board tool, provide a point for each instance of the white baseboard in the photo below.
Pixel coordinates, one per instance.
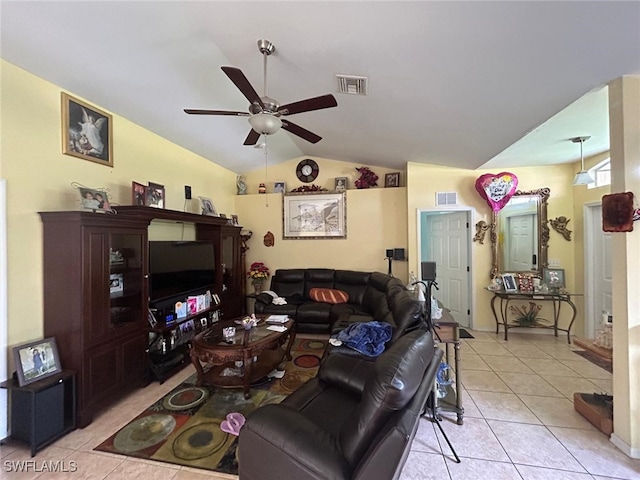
(626, 449)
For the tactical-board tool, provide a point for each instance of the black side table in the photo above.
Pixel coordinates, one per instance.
(42, 411)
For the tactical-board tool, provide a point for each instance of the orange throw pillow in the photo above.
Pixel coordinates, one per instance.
(328, 295)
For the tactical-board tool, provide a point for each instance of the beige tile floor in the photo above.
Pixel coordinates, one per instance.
(519, 424)
(519, 420)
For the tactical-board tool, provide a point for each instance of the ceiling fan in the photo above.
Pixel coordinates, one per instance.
(264, 112)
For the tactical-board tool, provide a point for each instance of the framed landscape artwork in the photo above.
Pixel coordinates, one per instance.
(314, 216)
(87, 132)
(36, 360)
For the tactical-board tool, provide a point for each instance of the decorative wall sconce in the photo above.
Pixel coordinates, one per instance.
(481, 230)
(617, 212)
(560, 225)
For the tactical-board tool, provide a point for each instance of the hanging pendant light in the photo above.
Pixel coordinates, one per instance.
(582, 177)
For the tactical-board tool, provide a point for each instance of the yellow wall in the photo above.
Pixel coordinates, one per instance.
(376, 220)
(39, 178)
(425, 180)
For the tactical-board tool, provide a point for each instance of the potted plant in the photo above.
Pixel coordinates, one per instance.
(258, 273)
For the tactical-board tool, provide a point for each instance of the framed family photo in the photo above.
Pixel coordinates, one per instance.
(87, 132)
(314, 216)
(509, 282)
(553, 277)
(36, 360)
(392, 179)
(138, 194)
(341, 184)
(155, 195)
(95, 200)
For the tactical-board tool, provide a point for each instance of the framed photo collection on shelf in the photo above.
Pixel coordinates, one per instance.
(152, 195)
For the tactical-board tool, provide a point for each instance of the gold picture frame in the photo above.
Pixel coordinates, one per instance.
(87, 132)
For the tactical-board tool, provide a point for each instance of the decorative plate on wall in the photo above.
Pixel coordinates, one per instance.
(307, 170)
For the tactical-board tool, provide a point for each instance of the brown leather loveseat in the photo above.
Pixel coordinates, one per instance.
(355, 420)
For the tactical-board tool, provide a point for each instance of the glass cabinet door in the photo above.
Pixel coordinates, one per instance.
(127, 301)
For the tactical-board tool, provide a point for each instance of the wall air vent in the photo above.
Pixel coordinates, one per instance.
(446, 198)
(352, 85)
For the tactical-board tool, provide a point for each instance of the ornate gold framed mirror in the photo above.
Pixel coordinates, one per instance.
(520, 234)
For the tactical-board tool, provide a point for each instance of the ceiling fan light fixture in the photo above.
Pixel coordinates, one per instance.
(265, 123)
(582, 177)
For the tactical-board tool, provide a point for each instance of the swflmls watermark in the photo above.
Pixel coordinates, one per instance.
(53, 466)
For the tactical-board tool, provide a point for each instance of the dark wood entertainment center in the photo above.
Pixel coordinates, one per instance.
(102, 327)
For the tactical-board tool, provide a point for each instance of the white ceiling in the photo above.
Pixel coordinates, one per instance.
(464, 84)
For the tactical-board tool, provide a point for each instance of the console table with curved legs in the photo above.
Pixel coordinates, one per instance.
(502, 315)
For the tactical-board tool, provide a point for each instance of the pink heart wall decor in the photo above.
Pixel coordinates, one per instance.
(497, 189)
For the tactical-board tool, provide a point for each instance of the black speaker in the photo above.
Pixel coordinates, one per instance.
(398, 253)
(389, 253)
(428, 271)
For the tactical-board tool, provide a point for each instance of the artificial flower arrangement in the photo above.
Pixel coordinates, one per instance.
(527, 316)
(308, 188)
(258, 271)
(367, 178)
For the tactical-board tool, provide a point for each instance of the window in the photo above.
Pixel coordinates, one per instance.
(601, 173)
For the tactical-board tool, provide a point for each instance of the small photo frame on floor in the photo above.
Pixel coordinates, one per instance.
(36, 360)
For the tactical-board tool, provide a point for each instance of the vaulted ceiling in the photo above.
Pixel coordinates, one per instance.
(464, 84)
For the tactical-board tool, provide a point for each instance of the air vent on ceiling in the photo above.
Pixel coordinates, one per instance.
(352, 85)
(446, 198)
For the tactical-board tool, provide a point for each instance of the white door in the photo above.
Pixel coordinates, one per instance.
(598, 271)
(522, 235)
(445, 240)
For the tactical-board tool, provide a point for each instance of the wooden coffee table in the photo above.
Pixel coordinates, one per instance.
(250, 356)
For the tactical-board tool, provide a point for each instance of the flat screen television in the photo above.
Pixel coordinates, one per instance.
(180, 268)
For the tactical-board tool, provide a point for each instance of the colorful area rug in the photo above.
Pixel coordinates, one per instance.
(183, 427)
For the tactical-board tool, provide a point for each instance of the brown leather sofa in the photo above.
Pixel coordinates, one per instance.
(355, 420)
(372, 296)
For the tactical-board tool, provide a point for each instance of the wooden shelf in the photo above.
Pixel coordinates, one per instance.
(150, 213)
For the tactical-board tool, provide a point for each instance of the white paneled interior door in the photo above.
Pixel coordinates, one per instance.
(598, 271)
(445, 240)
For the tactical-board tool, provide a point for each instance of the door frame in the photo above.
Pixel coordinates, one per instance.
(590, 316)
(4, 327)
(471, 214)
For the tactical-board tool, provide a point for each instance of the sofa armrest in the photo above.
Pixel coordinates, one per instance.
(264, 298)
(291, 444)
(346, 372)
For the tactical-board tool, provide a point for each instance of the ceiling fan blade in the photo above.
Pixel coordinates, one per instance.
(308, 105)
(195, 111)
(240, 81)
(301, 132)
(252, 138)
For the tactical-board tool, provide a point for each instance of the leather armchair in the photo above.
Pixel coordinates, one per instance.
(355, 420)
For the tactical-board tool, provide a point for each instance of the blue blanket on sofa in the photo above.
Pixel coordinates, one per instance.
(367, 338)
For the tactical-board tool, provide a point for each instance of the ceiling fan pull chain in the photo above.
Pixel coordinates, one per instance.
(266, 163)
